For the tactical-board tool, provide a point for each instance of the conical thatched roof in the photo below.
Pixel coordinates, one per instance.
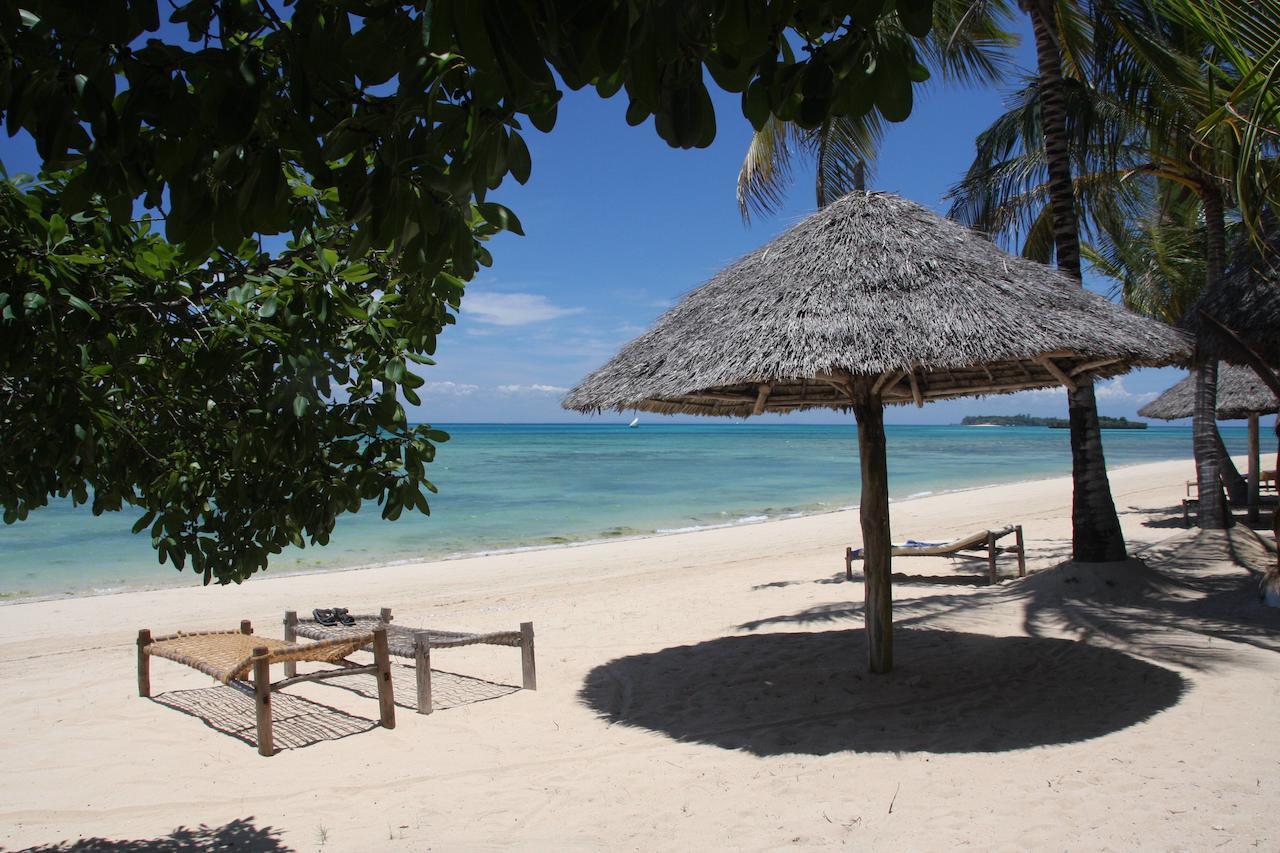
(876, 286)
(1240, 394)
(1247, 302)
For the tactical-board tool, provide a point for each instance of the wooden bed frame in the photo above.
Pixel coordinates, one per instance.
(232, 656)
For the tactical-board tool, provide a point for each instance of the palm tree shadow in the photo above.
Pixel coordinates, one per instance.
(770, 694)
(240, 835)
(296, 722)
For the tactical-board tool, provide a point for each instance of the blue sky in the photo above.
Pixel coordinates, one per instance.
(619, 226)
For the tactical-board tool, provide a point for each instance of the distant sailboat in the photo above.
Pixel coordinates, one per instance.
(634, 423)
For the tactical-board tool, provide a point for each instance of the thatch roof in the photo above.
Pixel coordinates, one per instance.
(1240, 394)
(1247, 302)
(876, 286)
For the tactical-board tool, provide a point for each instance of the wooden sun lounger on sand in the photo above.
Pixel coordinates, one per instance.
(230, 657)
(416, 644)
(975, 545)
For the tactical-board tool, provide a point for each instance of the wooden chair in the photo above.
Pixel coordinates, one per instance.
(978, 546)
(231, 656)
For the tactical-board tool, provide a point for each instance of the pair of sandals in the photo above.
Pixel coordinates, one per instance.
(332, 617)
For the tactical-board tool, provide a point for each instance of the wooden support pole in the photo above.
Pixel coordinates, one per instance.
(527, 667)
(1047, 363)
(246, 627)
(385, 614)
(422, 666)
(262, 698)
(290, 636)
(144, 663)
(848, 564)
(991, 557)
(1255, 465)
(915, 390)
(874, 513)
(1022, 552)
(386, 694)
(762, 397)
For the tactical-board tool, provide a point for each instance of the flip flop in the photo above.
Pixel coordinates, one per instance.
(324, 617)
(341, 614)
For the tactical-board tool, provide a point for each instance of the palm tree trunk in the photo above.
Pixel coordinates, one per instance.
(1096, 536)
(1213, 514)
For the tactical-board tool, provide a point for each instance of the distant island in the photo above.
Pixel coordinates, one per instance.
(1053, 423)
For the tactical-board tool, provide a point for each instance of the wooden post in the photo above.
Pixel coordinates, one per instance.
(262, 697)
(382, 660)
(1255, 466)
(874, 512)
(991, 558)
(290, 636)
(848, 564)
(422, 665)
(385, 614)
(245, 627)
(526, 656)
(1022, 552)
(144, 663)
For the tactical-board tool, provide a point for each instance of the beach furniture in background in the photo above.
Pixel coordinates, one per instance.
(1241, 396)
(233, 656)
(416, 644)
(970, 547)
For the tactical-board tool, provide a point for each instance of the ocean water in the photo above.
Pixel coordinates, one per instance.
(527, 485)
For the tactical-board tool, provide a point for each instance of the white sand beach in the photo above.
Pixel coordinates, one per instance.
(701, 690)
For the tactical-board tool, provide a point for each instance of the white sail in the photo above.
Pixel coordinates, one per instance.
(634, 423)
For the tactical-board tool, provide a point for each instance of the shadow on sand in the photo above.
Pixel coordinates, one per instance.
(239, 835)
(296, 722)
(769, 694)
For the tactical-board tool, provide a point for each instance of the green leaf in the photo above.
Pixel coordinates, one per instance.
(300, 404)
(500, 217)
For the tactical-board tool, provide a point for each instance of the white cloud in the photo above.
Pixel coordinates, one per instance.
(513, 309)
(535, 388)
(1115, 390)
(456, 389)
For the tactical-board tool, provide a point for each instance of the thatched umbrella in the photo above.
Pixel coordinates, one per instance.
(1241, 395)
(873, 300)
(1247, 301)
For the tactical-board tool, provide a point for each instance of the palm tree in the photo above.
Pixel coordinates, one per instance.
(1096, 534)
(1152, 82)
(967, 44)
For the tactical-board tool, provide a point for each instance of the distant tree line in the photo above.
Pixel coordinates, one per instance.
(1053, 423)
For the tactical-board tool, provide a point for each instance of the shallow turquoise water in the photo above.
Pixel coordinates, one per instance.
(528, 485)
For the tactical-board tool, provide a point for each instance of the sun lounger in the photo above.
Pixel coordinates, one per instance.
(980, 546)
(416, 644)
(232, 656)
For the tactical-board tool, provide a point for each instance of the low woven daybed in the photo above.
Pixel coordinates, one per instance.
(232, 657)
(416, 644)
(979, 546)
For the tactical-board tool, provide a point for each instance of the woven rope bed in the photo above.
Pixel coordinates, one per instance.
(242, 660)
(416, 643)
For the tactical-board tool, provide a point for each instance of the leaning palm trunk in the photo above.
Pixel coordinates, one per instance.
(1214, 514)
(1096, 535)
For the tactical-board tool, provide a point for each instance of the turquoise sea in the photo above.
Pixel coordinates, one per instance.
(528, 485)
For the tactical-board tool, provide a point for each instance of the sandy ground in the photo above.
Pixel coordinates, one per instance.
(704, 690)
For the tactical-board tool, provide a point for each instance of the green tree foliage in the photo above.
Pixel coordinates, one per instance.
(241, 403)
(408, 109)
(244, 399)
